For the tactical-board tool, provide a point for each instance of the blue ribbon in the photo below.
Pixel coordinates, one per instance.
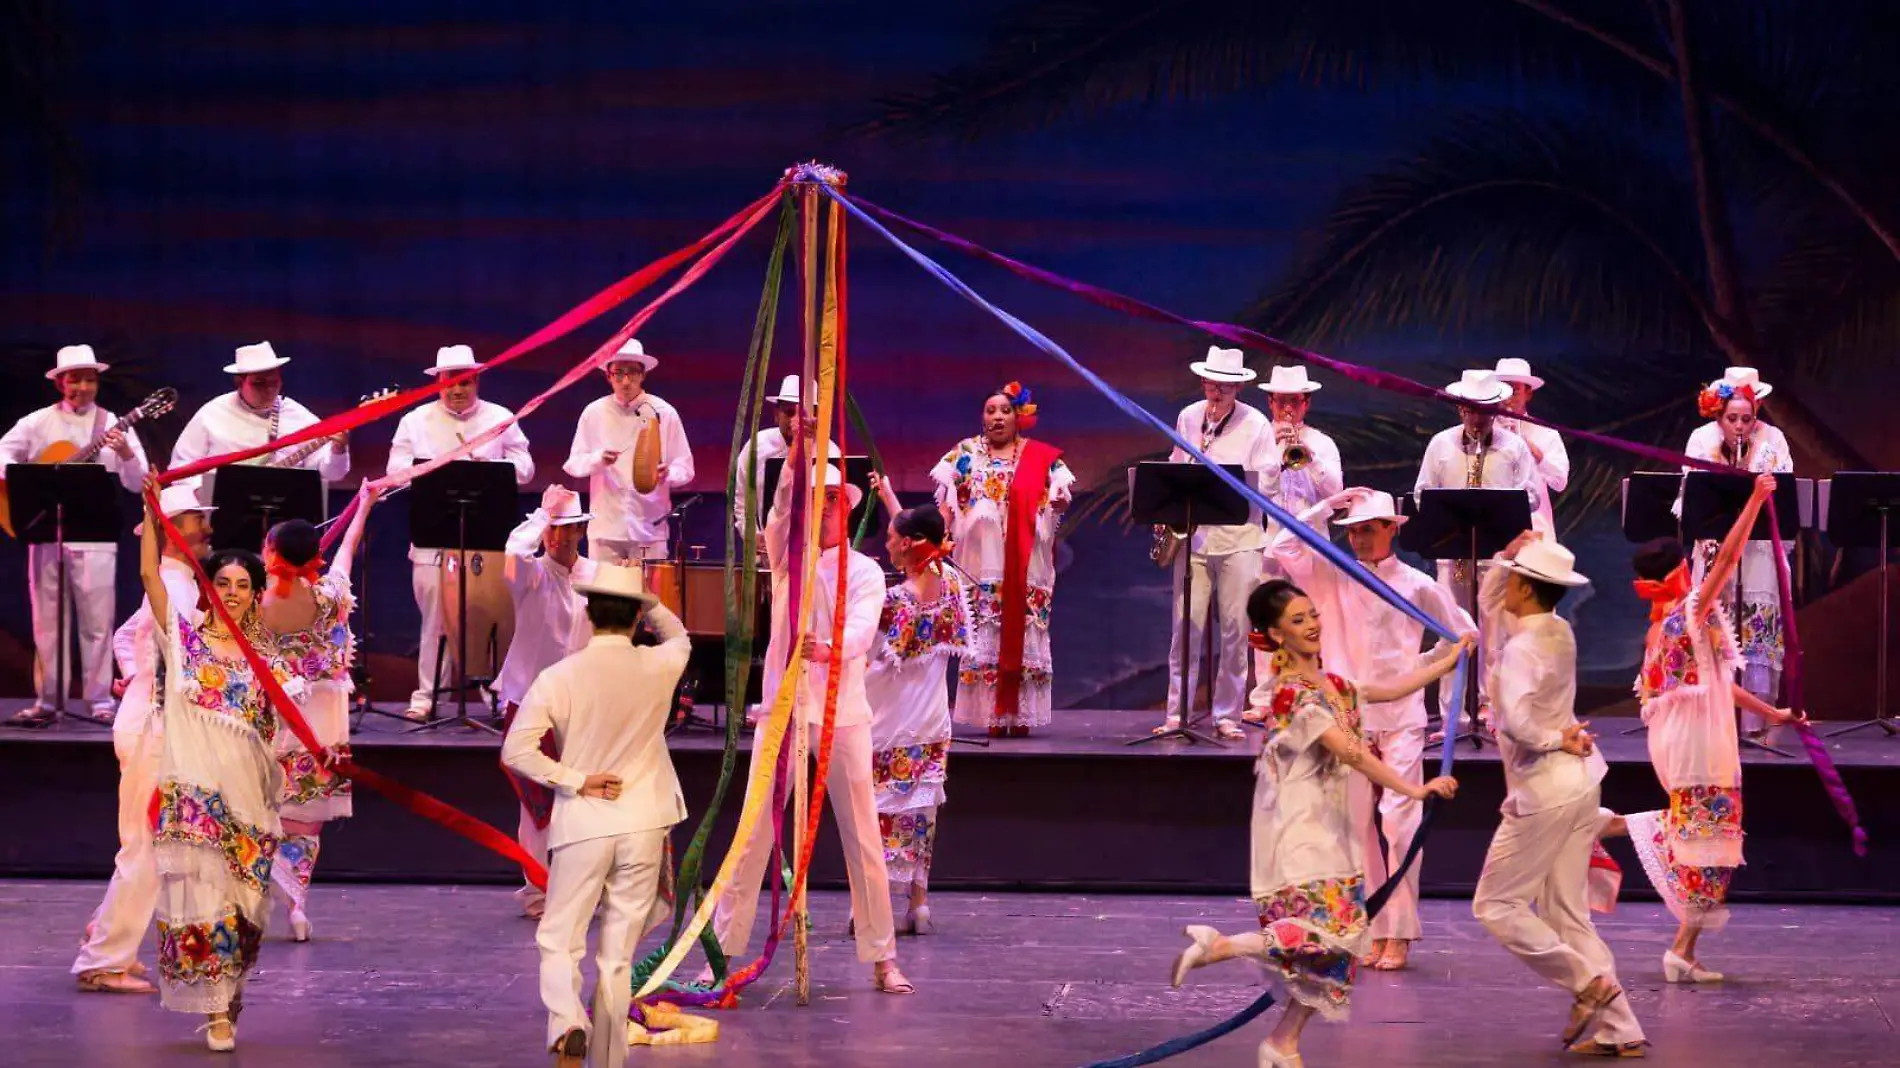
(1333, 554)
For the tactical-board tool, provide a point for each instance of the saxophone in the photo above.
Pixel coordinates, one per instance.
(1167, 546)
(1475, 448)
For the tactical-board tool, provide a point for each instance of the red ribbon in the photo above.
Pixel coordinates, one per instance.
(1662, 595)
(1026, 490)
(287, 573)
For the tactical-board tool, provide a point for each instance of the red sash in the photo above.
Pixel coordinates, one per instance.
(1025, 499)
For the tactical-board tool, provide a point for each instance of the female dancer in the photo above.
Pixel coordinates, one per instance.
(216, 827)
(1689, 698)
(1003, 496)
(1738, 436)
(1308, 868)
(307, 610)
(924, 625)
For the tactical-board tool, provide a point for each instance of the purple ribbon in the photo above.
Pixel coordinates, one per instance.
(1393, 383)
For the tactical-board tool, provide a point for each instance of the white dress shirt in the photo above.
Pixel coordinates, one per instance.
(1239, 442)
(864, 603)
(1325, 470)
(1533, 699)
(432, 431)
(227, 424)
(607, 706)
(767, 444)
(1363, 638)
(622, 513)
(135, 647)
(1507, 465)
(1553, 469)
(39, 430)
(550, 618)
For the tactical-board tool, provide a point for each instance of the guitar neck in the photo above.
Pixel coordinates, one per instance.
(92, 451)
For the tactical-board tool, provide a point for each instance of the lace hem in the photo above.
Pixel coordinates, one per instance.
(1694, 895)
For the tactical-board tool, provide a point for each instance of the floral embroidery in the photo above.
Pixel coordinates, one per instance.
(192, 815)
(1758, 632)
(210, 952)
(1336, 906)
(898, 771)
(909, 840)
(1697, 889)
(987, 675)
(1705, 813)
(986, 605)
(299, 852)
(991, 481)
(1671, 663)
(227, 687)
(1318, 973)
(1295, 691)
(305, 780)
(324, 650)
(913, 629)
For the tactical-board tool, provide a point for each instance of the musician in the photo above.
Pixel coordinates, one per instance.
(1224, 560)
(424, 434)
(1546, 445)
(256, 412)
(628, 525)
(1299, 466)
(768, 444)
(90, 566)
(544, 565)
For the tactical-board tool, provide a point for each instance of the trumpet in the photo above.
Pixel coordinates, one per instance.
(1167, 545)
(1295, 456)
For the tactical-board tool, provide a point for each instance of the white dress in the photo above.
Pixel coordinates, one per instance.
(1309, 872)
(908, 687)
(975, 487)
(1755, 599)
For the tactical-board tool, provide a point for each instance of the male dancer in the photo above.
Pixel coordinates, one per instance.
(849, 785)
(1552, 775)
(90, 566)
(434, 430)
(1369, 639)
(108, 961)
(1224, 561)
(628, 526)
(616, 797)
(550, 623)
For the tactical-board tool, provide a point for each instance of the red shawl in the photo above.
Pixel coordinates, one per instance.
(1026, 490)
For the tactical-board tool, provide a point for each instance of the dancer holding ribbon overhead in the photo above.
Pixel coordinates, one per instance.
(924, 626)
(1004, 496)
(1737, 435)
(631, 516)
(219, 786)
(1689, 696)
(307, 609)
(1308, 867)
(1534, 894)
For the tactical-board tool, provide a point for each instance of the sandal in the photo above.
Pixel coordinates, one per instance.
(125, 982)
(1397, 952)
(1226, 731)
(1611, 1049)
(892, 981)
(1589, 1007)
(32, 718)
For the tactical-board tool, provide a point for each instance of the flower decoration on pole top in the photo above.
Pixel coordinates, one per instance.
(812, 172)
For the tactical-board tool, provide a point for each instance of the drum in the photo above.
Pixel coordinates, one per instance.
(491, 611)
(701, 589)
(663, 582)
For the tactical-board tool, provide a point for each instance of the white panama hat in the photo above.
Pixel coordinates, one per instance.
(255, 359)
(1547, 561)
(1289, 380)
(1514, 370)
(177, 499)
(1479, 387)
(75, 358)
(451, 359)
(1371, 505)
(632, 352)
(1224, 365)
(789, 392)
(1738, 377)
(618, 580)
(569, 511)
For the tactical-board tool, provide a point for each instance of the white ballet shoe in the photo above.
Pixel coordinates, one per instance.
(1195, 955)
(299, 925)
(1677, 970)
(1270, 1057)
(917, 920)
(220, 1036)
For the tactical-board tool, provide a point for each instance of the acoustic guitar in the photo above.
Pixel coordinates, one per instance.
(65, 452)
(298, 455)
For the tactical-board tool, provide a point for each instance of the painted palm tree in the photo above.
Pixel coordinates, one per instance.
(1606, 210)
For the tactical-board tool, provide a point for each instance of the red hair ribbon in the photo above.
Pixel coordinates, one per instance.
(1663, 595)
(287, 573)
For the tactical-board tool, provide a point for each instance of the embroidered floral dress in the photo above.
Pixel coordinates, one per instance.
(1691, 851)
(975, 487)
(320, 655)
(908, 687)
(1755, 598)
(1309, 874)
(216, 829)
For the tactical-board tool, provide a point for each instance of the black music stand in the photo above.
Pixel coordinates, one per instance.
(1858, 506)
(360, 676)
(857, 472)
(1712, 501)
(1467, 525)
(1184, 496)
(685, 703)
(465, 507)
(1649, 506)
(63, 503)
(252, 499)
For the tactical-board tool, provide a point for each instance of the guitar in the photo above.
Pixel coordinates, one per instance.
(297, 456)
(65, 452)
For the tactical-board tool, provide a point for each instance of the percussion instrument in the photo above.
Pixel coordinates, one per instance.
(491, 612)
(704, 587)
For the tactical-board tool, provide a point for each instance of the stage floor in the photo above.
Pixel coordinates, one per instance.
(427, 975)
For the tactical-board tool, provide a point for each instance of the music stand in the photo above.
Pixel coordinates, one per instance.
(63, 503)
(1713, 500)
(1857, 507)
(1467, 525)
(857, 472)
(463, 507)
(1184, 496)
(1649, 506)
(686, 690)
(252, 499)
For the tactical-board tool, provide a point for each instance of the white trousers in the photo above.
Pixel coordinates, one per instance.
(618, 551)
(426, 579)
(89, 608)
(1225, 581)
(621, 872)
(1543, 860)
(534, 842)
(119, 924)
(854, 806)
(1398, 816)
(1490, 638)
